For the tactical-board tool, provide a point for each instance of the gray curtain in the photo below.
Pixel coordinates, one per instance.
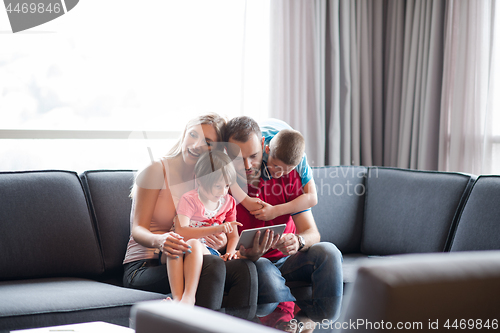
(363, 80)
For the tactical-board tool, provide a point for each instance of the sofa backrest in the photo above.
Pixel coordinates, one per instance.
(45, 226)
(479, 223)
(409, 211)
(339, 212)
(108, 192)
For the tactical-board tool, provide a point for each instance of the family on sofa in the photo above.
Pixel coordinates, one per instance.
(64, 236)
(278, 189)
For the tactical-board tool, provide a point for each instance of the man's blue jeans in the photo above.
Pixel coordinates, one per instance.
(320, 265)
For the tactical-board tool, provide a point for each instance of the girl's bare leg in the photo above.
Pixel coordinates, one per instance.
(175, 271)
(192, 269)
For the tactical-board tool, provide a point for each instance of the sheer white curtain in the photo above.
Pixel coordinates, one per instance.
(297, 70)
(465, 142)
(394, 83)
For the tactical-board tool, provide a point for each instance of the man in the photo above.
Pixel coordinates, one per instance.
(298, 255)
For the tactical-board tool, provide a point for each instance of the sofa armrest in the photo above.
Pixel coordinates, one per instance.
(165, 316)
(426, 288)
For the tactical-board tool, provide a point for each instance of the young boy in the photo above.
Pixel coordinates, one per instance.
(283, 151)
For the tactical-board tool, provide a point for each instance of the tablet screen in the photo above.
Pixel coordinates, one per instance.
(247, 236)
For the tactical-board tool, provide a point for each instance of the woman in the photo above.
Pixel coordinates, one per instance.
(155, 195)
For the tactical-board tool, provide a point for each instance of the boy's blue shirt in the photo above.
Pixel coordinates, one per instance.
(269, 129)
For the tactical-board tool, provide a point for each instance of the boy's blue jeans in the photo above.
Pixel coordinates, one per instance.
(320, 265)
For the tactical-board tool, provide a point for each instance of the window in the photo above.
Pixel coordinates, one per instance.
(79, 92)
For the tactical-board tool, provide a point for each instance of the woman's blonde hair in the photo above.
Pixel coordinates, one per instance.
(213, 119)
(217, 122)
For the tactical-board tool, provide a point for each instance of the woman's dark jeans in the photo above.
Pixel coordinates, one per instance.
(230, 285)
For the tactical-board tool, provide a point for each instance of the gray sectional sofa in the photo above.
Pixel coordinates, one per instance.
(62, 242)
(63, 236)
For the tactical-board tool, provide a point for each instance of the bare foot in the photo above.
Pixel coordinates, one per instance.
(187, 300)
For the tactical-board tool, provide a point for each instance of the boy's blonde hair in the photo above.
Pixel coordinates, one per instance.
(211, 166)
(288, 146)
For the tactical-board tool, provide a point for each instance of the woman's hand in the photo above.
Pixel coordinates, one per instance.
(172, 244)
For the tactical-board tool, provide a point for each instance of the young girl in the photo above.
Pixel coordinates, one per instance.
(206, 210)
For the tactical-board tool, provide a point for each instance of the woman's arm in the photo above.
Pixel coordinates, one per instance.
(145, 198)
(144, 204)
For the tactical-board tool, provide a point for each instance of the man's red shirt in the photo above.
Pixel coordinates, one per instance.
(274, 192)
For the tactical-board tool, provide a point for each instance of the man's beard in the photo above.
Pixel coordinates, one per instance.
(244, 179)
(254, 177)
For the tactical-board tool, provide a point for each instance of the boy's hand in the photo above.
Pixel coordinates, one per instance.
(252, 204)
(228, 227)
(229, 256)
(268, 212)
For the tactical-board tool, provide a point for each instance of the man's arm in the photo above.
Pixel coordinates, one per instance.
(306, 227)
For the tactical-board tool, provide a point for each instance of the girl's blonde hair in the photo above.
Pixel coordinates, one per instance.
(211, 166)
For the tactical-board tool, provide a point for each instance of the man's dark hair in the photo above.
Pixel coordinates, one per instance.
(240, 129)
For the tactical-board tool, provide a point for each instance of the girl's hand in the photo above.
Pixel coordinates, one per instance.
(172, 244)
(228, 227)
(229, 256)
(216, 241)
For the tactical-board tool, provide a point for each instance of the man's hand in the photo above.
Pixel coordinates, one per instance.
(216, 241)
(267, 212)
(259, 248)
(288, 244)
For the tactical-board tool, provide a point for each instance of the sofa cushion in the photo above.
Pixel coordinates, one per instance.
(58, 301)
(339, 212)
(108, 192)
(45, 226)
(409, 211)
(479, 224)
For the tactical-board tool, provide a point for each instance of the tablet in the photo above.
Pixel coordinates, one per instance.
(247, 236)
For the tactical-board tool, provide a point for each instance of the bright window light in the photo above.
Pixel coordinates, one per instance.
(120, 65)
